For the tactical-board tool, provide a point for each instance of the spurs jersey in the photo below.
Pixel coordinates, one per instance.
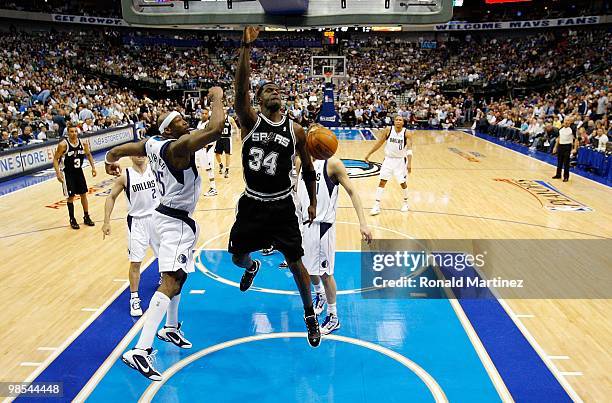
(327, 195)
(72, 160)
(396, 144)
(268, 152)
(140, 191)
(227, 128)
(177, 189)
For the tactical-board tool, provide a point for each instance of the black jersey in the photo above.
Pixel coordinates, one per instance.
(267, 159)
(73, 158)
(227, 128)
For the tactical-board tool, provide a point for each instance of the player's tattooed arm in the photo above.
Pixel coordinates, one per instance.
(307, 169)
(244, 110)
(59, 152)
(124, 150)
(198, 139)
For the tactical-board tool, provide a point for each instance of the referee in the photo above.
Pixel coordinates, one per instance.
(565, 146)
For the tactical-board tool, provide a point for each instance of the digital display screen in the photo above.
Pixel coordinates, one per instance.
(329, 38)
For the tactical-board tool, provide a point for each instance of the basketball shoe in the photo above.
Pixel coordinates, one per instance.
(174, 335)
(314, 333)
(404, 208)
(376, 209)
(87, 221)
(268, 252)
(211, 192)
(74, 224)
(142, 361)
(135, 309)
(319, 303)
(249, 275)
(330, 324)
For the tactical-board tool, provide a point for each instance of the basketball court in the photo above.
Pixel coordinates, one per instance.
(251, 345)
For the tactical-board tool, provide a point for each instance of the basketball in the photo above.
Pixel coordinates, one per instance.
(322, 143)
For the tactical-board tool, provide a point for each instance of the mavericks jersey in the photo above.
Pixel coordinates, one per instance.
(327, 195)
(178, 189)
(73, 158)
(268, 152)
(396, 144)
(140, 191)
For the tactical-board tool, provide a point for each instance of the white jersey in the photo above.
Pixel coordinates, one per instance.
(327, 195)
(178, 189)
(396, 144)
(141, 193)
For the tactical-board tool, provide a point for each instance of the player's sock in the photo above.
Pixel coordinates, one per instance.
(211, 177)
(319, 289)
(70, 210)
(134, 295)
(331, 309)
(405, 191)
(308, 311)
(172, 314)
(157, 309)
(379, 194)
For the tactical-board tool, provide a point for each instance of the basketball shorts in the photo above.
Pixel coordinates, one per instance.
(74, 183)
(394, 167)
(141, 235)
(224, 145)
(319, 241)
(205, 158)
(260, 224)
(178, 234)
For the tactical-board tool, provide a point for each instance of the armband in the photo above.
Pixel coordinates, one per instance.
(310, 176)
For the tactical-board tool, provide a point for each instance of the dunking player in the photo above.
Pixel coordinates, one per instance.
(266, 211)
(224, 144)
(138, 183)
(69, 155)
(398, 160)
(173, 162)
(205, 156)
(320, 238)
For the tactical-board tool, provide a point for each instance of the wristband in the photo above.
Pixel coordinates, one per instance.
(106, 159)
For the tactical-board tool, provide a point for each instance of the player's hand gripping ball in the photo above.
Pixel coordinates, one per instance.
(321, 143)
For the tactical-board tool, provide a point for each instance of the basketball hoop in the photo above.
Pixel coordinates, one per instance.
(328, 76)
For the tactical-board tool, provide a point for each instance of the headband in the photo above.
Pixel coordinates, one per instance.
(167, 121)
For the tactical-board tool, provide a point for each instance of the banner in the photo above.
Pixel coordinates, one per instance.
(35, 158)
(479, 26)
(328, 116)
(81, 19)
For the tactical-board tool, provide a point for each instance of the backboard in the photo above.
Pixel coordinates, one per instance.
(206, 14)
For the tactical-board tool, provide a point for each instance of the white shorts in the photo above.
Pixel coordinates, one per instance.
(141, 235)
(206, 159)
(177, 239)
(394, 167)
(319, 250)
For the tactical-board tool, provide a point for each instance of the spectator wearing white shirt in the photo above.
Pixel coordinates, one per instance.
(565, 147)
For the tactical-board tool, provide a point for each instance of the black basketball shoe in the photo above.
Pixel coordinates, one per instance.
(314, 333)
(74, 224)
(87, 221)
(249, 275)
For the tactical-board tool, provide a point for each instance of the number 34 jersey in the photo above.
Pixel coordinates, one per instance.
(178, 189)
(268, 152)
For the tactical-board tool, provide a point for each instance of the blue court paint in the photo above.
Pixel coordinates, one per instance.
(353, 133)
(35, 178)
(427, 332)
(75, 365)
(542, 156)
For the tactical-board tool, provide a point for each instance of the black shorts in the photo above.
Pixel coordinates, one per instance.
(260, 224)
(224, 145)
(74, 183)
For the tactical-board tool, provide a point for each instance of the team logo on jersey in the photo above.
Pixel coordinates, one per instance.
(549, 196)
(361, 168)
(324, 264)
(181, 259)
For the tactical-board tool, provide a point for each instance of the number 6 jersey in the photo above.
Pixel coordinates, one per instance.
(178, 189)
(268, 152)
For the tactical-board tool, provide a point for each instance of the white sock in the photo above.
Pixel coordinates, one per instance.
(134, 295)
(157, 309)
(405, 191)
(172, 314)
(331, 309)
(211, 177)
(319, 288)
(379, 193)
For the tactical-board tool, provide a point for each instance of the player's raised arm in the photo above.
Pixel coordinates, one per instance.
(124, 150)
(338, 171)
(187, 145)
(381, 140)
(244, 110)
(309, 175)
